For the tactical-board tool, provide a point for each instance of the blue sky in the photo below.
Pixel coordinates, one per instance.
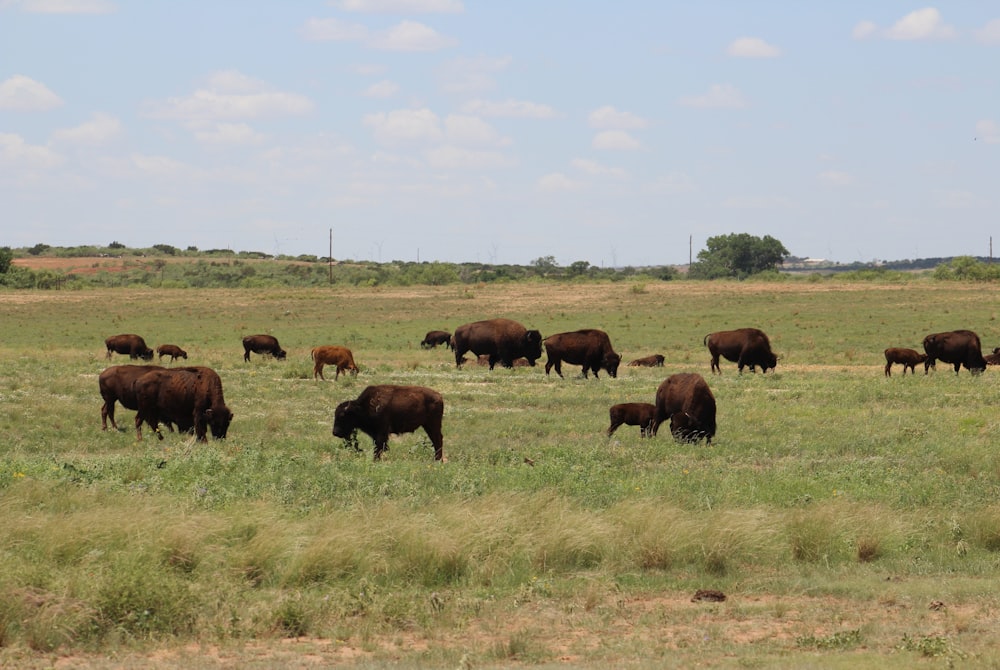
(466, 130)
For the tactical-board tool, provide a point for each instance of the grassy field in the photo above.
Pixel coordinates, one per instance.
(851, 519)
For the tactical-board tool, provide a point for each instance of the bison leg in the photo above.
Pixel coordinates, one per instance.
(615, 423)
(318, 370)
(108, 412)
(646, 429)
(715, 365)
(888, 369)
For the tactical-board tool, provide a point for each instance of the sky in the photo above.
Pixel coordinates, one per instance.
(619, 134)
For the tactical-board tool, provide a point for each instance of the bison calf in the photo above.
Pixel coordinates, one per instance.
(908, 358)
(686, 400)
(171, 350)
(435, 337)
(654, 361)
(642, 414)
(382, 410)
(333, 355)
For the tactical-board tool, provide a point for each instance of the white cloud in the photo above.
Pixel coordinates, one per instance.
(450, 157)
(23, 94)
(595, 169)
(231, 95)
(556, 182)
(520, 109)
(921, 24)
(719, 95)
(988, 131)
(990, 33)
(405, 125)
(836, 178)
(467, 75)
(67, 6)
(752, 47)
(616, 140)
(382, 89)
(472, 130)
(411, 36)
(609, 117)
(14, 151)
(234, 134)
(864, 30)
(400, 6)
(100, 129)
(333, 30)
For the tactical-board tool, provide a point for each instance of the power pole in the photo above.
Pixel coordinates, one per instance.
(329, 258)
(690, 247)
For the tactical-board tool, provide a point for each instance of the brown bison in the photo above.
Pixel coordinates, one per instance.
(908, 358)
(333, 355)
(191, 397)
(744, 346)
(115, 384)
(502, 340)
(171, 350)
(642, 414)
(382, 410)
(262, 344)
(654, 361)
(958, 347)
(435, 337)
(994, 358)
(130, 344)
(589, 347)
(686, 400)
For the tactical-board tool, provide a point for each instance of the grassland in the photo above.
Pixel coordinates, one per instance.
(852, 519)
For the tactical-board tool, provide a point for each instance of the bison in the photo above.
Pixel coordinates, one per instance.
(262, 344)
(502, 340)
(382, 410)
(130, 344)
(171, 350)
(958, 347)
(909, 358)
(654, 361)
(435, 337)
(642, 414)
(589, 347)
(994, 358)
(115, 384)
(333, 355)
(686, 400)
(191, 397)
(744, 346)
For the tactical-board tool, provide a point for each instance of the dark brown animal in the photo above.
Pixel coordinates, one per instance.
(642, 414)
(521, 362)
(994, 358)
(908, 358)
(654, 361)
(115, 384)
(589, 347)
(686, 400)
(382, 410)
(130, 344)
(957, 347)
(171, 350)
(262, 344)
(502, 340)
(435, 337)
(191, 397)
(333, 355)
(743, 346)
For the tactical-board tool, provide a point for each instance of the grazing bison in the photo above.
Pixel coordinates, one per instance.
(133, 345)
(686, 400)
(589, 347)
(115, 384)
(333, 355)
(171, 350)
(262, 344)
(382, 410)
(744, 346)
(642, 414)
(909, 358)
(958, 347)
(654, 361)
(436, 337)
(191, 397)
(502, 340)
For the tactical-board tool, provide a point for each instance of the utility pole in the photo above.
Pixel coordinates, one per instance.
(329, 258)
(690, 247)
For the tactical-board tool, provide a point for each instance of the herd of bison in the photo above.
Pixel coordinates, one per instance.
(190, 398)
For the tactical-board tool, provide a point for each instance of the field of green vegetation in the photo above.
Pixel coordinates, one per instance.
(852, 520)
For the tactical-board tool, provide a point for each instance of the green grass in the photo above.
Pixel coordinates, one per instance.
(825, 480)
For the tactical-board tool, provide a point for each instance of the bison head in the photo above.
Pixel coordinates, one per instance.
(147, 355)
(280, 355)
(218, 420)
(345, 419)
(611, 363)
(532, 346)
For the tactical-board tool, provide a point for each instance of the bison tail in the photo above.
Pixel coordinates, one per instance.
(704, 341)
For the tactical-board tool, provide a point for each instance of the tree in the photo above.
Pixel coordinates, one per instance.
(6, 259)
(737, 255)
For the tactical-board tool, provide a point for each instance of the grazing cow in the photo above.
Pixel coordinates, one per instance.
(191, 397)
(130, 344)
(262, 344)
(436, 337)
(333, 355)
(744, 346)
(958, 347)
(115, 384)
(686, 400)
(382, 410)
(909, 358)
(171, 350)
(502, 340)
(589, 347)
(642, 414)
(654, 361)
